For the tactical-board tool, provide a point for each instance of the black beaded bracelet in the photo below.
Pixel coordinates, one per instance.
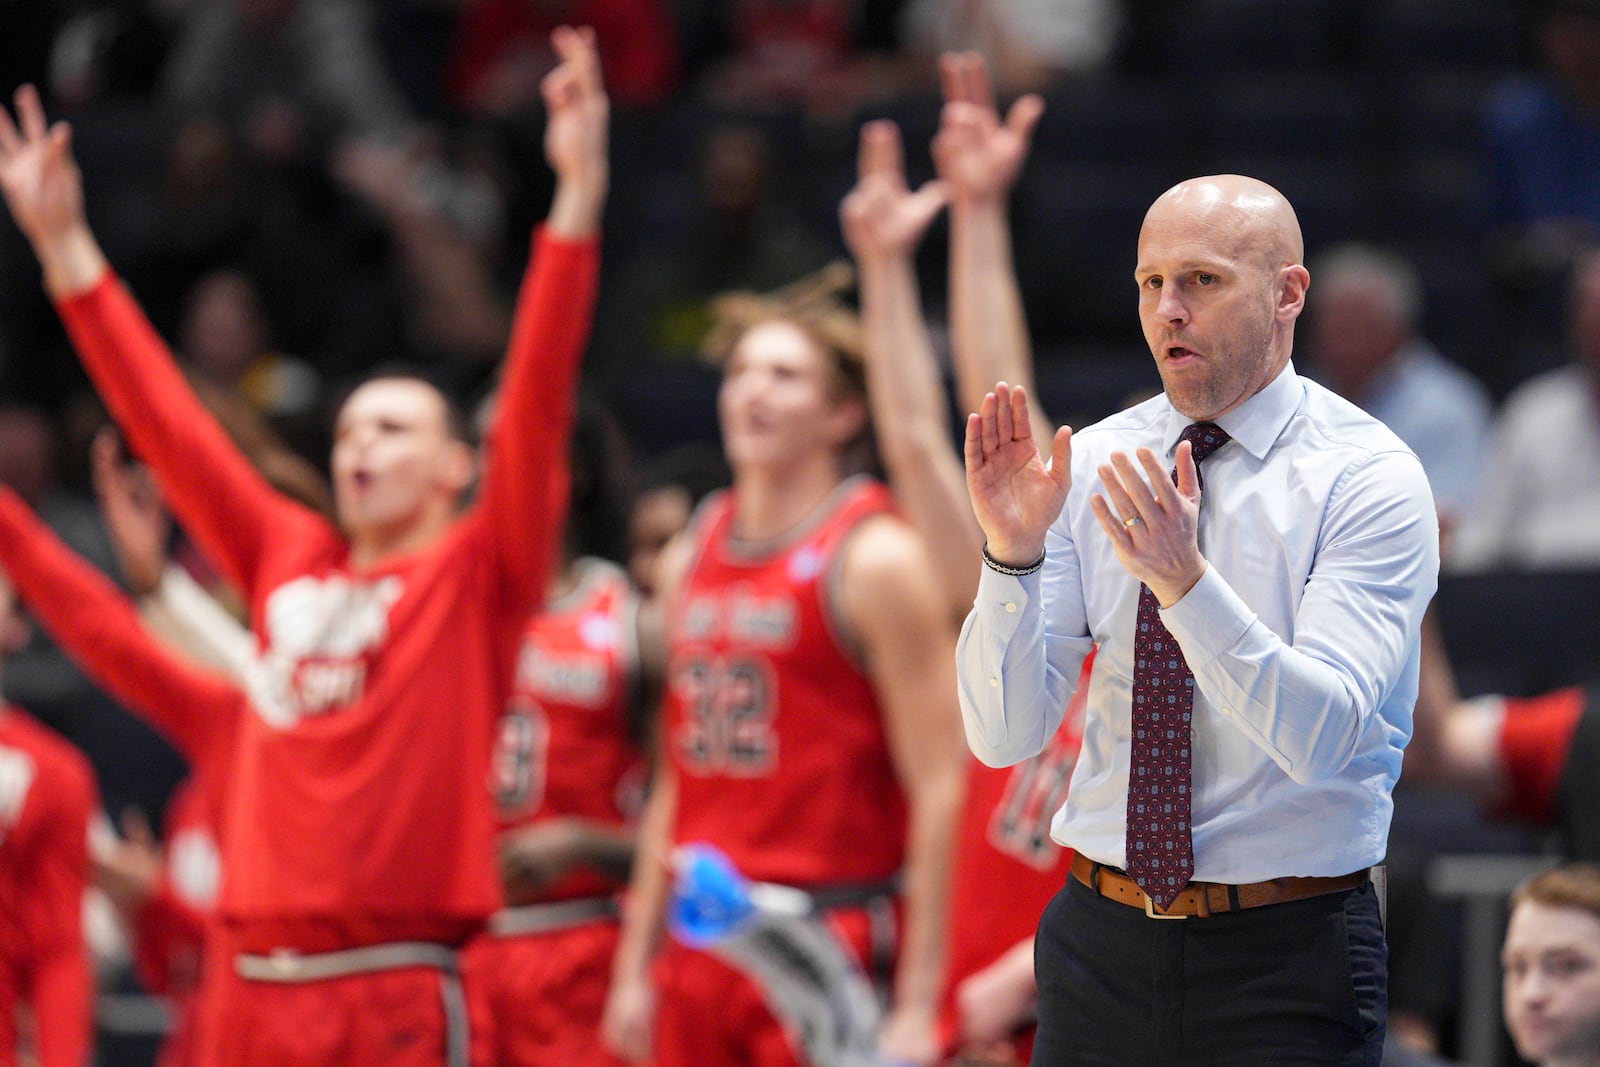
(1006, 568)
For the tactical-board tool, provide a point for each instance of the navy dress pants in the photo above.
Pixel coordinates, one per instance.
(1301, 984)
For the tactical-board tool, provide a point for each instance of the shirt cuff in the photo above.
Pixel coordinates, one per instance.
(1001, 599)
(1209, 620)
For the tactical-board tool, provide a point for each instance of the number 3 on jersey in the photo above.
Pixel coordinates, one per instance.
(728, 707)
(517, 770)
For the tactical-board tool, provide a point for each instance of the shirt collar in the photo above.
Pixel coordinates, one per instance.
(1256, 423)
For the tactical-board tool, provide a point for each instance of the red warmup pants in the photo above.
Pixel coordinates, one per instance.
(545, 994)
(395, 1018)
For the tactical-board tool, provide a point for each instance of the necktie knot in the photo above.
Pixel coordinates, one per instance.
(1204, 438)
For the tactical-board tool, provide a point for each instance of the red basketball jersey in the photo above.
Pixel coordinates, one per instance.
(771, 723)
(47, 794)
(563, 747)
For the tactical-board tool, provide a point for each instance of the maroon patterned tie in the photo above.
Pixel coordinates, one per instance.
(1160, 852)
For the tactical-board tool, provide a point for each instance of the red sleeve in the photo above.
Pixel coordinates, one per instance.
(219, 498)
(60, 987)
(1535, 737)
(168, 929)
(523, 507)
(63, 999)
(96, 625)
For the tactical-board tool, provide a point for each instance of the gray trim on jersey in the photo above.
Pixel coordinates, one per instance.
(830, 593)
(749, 551)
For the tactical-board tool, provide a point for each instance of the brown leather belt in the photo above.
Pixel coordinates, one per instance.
(1201, 899)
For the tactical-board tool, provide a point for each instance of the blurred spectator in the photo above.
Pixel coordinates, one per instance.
(106, 49)
(1542, 151)
(1529, 759)
(311, 258)
(1539, 506)
(444, 204)
(1551, 957)
(1029, 44)
(39, 676)
(670, 488)
(820, 56)
(227, 338)
(1543, 141)
(290, 71)
(1365, 309)
(740, 233)
(502, 49)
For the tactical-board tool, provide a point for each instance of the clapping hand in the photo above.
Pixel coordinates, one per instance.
(1015, 493)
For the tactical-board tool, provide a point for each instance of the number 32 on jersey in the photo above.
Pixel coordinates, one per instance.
(729, 704)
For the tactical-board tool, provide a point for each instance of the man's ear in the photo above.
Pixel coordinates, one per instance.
(459, 466)
(1293, 281)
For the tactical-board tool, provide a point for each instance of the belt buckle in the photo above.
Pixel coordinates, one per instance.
(1149, 910)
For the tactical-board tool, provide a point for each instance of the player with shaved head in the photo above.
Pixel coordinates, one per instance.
(1251, 555)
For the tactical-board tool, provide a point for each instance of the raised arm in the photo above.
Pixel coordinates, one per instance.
(978, 158)
(172, 604)
(524, 501)
(883, 221)
(910, 654)
(220, 499)
(97, 626)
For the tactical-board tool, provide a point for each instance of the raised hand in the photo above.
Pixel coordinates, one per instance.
(128, 868)
(1153, 523)
(578, 111)
(1015, 494)
(976, 154)
(133, 514)
(881, 217)
(38, 174)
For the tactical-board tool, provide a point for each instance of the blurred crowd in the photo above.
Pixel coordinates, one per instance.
(301, 190)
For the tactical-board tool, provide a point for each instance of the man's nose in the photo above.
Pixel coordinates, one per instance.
(1170, 306)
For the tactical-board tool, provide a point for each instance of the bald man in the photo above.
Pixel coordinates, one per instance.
(1252, 556)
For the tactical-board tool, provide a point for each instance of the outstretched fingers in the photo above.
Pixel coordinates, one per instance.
(1188, 474)
(973, 72)
(1120, 533)
(1005, 414)
(989, 422)
(881, 156)
(576, 48)
(10, 139)
(972, 448)
(1061, 457)
(1024, 116)
(30, 112)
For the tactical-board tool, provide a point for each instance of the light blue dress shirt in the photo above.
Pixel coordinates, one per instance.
(1322, 544)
